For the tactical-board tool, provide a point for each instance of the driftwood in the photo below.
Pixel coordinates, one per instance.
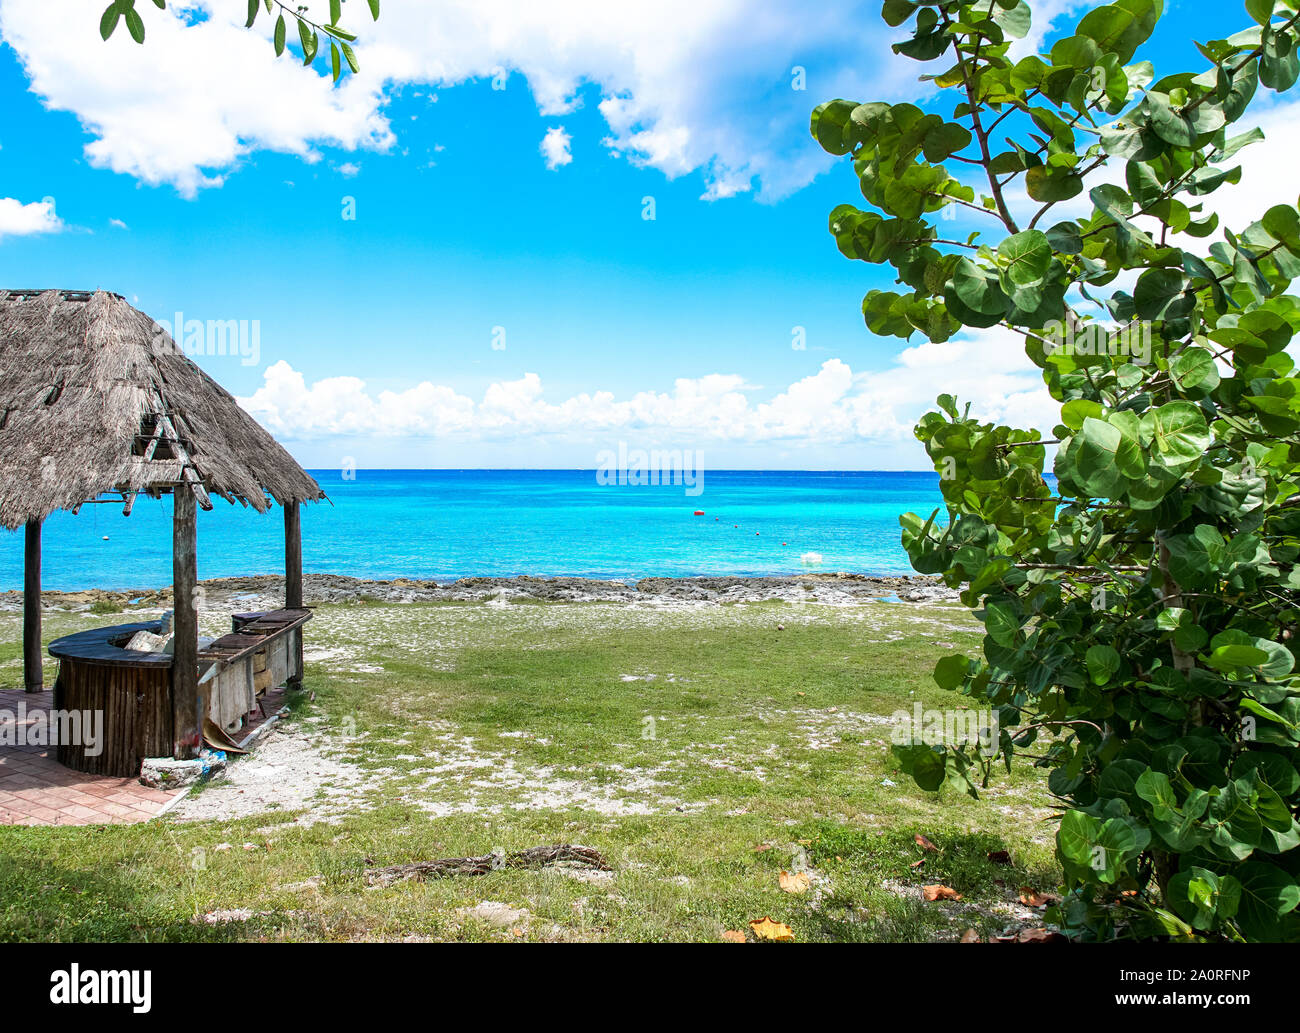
(535, 857)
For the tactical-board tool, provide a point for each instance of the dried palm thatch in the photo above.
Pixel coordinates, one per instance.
(95, 397)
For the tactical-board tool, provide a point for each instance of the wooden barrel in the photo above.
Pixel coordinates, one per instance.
(131, 691)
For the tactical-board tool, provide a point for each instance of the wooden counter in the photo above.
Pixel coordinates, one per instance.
(132, 689)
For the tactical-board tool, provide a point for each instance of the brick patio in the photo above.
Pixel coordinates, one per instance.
(35, 789)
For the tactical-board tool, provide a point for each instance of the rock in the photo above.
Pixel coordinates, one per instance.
(167, 773)
(495, 914)
(148, 642)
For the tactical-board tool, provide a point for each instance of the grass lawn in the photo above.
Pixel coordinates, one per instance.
(703, 750)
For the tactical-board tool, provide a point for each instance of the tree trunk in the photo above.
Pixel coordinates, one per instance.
(33, 673)
(293, 579)
(187, 706)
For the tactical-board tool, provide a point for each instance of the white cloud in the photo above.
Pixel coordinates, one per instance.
(684, 85)
(187, 106)
(555, 147)
(20, 220)
(1268, 168)
(118, 224)
(349, 169)
(834, 405)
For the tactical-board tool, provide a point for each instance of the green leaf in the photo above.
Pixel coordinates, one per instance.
(1023, 258)
(832, 128)
(1195, 368)
(254, 6)
(1283, 224)
(1106, 458)
(336, 61)
(1260, 10)
(279, 35)
(351, 58)
(1001, 622)
(977, 289)
(1178, 435)
(1051, 183)
(945, 140)
(308, 40)
(1268, 894)
(924, 763)
(951, 671)
(374, 9)
(1231, 658)
(108, 20)
(1103, 662)
(1162, 293)
(134, 24)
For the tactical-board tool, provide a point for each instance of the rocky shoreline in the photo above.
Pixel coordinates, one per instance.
(266, 591)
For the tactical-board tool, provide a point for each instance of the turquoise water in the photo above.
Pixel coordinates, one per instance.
(446, 524)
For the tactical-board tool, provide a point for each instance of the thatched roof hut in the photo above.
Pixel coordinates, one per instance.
(96, 397)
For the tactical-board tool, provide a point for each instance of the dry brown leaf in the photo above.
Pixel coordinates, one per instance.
(794, 882)
(765, 929)
(1000, 857)
(925, 844)
(970, 936)
(1040, 936)
(734, 936)
(1032, 898)
(917, 863)
(937, 892)
(761, 847)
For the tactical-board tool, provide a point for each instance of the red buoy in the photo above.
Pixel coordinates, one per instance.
(699, 512)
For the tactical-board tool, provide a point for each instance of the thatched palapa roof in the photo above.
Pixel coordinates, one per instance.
(95, 397)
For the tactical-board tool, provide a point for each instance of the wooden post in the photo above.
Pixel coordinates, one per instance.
(187, 706)
(293, 579)
(33, 675)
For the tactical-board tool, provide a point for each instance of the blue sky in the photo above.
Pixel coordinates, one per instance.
(671, 332)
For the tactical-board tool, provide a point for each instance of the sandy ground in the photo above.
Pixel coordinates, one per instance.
(303, 766)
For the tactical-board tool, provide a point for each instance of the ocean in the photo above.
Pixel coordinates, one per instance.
(447, 524)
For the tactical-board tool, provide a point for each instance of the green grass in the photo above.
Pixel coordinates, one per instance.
(468, 728)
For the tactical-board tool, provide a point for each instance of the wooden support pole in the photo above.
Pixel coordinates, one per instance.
(293, 579)
(187, 706)
(33, 674)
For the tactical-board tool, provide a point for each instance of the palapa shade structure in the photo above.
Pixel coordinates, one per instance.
(96, 398)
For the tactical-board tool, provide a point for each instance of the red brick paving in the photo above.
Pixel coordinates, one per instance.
(35, 789)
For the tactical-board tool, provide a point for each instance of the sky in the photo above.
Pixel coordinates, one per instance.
(525, 233)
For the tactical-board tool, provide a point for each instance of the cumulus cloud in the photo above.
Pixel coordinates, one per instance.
(21, 220)
(833, 405)
(555, 147)
(716, 86)
(202, 94)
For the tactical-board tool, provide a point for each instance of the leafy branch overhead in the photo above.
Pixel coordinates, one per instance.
(1140, 600)
(309, 32)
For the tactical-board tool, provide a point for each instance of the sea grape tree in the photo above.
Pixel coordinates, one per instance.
(1139, 598)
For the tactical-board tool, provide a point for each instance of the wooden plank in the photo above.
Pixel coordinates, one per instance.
(187, 708)
(33, 675)
(251, 637)
(293, 580)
